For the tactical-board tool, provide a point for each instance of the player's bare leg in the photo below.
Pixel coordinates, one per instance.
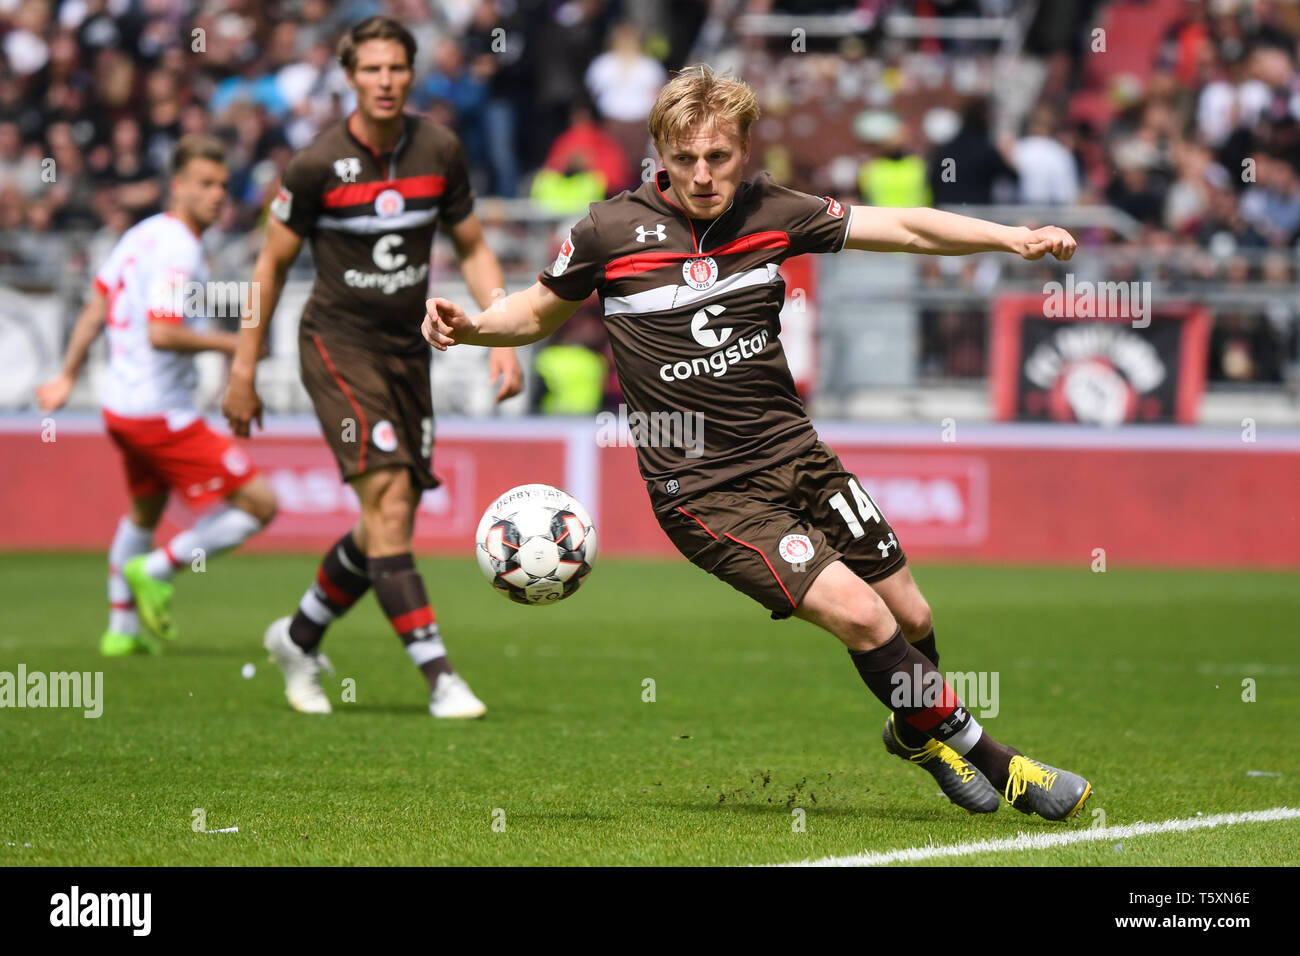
(134, 536)
(226, 525)
(388, 501)
(842, 603)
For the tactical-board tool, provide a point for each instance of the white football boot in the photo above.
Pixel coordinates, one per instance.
(452, 698)
(301, 670)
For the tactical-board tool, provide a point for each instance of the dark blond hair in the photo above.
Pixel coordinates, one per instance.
(699, 97)
(374, 28)
(196, 146)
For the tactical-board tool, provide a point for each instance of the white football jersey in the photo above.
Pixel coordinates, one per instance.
(155, 272)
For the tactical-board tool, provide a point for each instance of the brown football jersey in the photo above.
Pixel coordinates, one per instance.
(371, 220)
(693, 313)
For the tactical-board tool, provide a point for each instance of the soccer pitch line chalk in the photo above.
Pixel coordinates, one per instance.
(1045, 841)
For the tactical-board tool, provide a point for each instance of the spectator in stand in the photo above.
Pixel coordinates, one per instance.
(162, 126)
(1225, 229)
(978, 164)
(317, 92)
(1137, 190)
(568, 192)
(572, 369)
(1188, 201)
(20, 164)
(24, 46)
(568, 39)
(463, 88)
(894, 175)
(497, 40)
(588, 141)
(1188, 45)
(623, 83)
(1272, 203)
(1048, 173)
(135, 181)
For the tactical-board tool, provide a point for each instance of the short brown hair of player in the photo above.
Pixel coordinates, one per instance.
(697, 97)
(193, 146)
(378, 27)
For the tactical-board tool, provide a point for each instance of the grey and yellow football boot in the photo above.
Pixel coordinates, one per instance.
(958, 779)
(1050, 792)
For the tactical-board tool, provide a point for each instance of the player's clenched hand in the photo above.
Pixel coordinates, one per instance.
(1039, 242)
(444, 323)
(503, 365)
(241, 406)
(51, 395)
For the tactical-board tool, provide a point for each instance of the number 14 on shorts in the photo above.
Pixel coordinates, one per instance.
(865, 507)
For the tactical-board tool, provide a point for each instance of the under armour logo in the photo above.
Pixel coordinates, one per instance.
(347, 169)
(671, 486)
(884, 545)
(659, 232)
(955, 722)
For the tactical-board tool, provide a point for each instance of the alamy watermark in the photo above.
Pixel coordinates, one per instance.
(923, 688)
(129, 910)
(1098, 300)
(76, 689)
(678, 429)
(213, 300)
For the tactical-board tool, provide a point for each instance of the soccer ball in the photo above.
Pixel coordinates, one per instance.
(535, 544)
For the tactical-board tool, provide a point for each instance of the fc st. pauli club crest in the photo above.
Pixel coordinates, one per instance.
(389, 203)
(700, 274)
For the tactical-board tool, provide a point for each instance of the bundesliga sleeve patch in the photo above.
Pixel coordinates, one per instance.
(563, 259)
(834, 208)
(282, 205)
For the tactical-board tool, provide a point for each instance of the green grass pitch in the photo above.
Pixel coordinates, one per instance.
(1132, 677)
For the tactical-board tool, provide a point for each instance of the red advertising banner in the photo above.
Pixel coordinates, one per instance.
(1011, 493)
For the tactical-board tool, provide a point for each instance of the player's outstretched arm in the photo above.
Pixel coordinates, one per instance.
(51, 395)
(934, 232)
(241, 405)
(517, 319)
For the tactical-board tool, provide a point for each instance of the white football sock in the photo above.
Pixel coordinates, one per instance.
(219, 530)
(129, 540)
(427, 647)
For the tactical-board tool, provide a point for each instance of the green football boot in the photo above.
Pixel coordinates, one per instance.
(153, 598)
(117, 644)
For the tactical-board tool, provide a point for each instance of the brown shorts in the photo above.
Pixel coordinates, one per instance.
(375, 408)
(770, 533)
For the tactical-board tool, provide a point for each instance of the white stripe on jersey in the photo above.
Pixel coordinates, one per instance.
(679, 296)
(371, 224)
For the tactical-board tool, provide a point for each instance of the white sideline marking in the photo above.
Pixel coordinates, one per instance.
(1043, 841)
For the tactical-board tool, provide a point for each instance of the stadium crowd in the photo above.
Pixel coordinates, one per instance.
(1199, 144)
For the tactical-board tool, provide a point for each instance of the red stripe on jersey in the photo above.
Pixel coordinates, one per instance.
(100, 286)
(361, 416)
(755, 240)
(358, 194)
(336, 594)
(157, 315)
(639, 262)
(769, 567)
(420, 617)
